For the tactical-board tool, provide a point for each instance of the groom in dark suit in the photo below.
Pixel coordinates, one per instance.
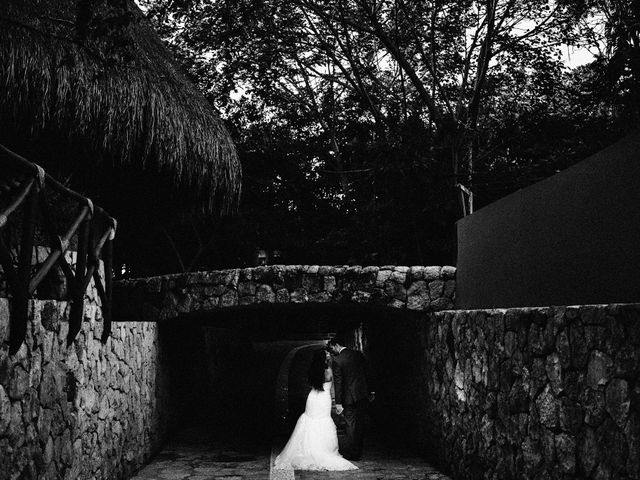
(352, 394)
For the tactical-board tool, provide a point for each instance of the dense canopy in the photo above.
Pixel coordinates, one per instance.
(367, 127)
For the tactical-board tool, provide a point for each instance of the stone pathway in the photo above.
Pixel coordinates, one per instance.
(182, 461)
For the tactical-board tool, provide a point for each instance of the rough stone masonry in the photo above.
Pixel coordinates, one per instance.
(169, 296)
(536, 393)
(87, 411)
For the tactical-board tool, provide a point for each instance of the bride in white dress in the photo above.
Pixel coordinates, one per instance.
(313, 445)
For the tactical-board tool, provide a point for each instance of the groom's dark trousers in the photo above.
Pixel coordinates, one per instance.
(350, 383)
(354, 422)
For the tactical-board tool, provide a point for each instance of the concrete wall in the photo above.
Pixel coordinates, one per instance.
(545, 393)
(87, 411)
(571, 239)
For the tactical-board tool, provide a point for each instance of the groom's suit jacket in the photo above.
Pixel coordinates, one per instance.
(349, 377)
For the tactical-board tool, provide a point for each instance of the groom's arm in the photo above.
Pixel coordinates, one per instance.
(337, 384)
(370, 377)
(369, 374)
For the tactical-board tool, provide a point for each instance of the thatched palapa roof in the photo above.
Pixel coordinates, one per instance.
(120, 95)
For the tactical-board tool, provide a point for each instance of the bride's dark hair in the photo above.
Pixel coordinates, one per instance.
(316, 370)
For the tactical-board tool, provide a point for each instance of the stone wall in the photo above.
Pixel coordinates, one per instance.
(165, 297)
(544, 393)
(88, 411)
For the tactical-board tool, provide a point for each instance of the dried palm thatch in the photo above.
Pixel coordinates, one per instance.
(112, 84)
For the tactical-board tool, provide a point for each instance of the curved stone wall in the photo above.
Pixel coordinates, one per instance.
(159, 298)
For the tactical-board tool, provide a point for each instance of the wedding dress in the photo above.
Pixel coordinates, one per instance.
(313, 445)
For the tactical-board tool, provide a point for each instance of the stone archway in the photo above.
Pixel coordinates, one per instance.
(170, 296)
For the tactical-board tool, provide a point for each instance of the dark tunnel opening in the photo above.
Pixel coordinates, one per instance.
(226, 369)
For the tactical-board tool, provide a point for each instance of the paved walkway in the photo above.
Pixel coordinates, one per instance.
(188, 461)
(196, 455)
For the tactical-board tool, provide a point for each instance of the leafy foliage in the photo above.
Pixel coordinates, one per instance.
(356, 120)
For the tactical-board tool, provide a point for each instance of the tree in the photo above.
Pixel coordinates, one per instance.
(395, 58)
(365, 116)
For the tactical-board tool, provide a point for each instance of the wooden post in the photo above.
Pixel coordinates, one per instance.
(108, 286)
(6, 260)
(20, 310)
(77, 299)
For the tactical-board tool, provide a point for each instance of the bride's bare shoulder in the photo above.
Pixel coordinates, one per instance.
(328, 375)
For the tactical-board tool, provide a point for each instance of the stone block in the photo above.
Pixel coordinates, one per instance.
(370, 272)
(265, 294)
(247, 300)
(329, 283)
(299, 295)
(311, 282)
(399, 277)
(449, 289)
(16, 432)
(231, 278)
(394, 303)
(553, 367)
(532, 453)
(353, 270)
(319, 297)
(632, 434)
(48, 451)
(246, 289)
(599, 369)
(563, 348)
(282, 296)
(4, 320)
(360, 297)
(431, 273)
(593, 403)
(571, 415)
(262, 274)
(5, 411)
(416, 273)
(627, 362)
(229, 299)
(418, 296)
(617, 401)
(440, 304)
(448, 272)
(587, 451)
(395, 290)
(566, 452)
(246, 274)
(154, 285)
(382, 277)
(436, 289)
(548, 408)
(510, 343)
(325, 270)
(613, 450)
(277, 276)
(19, 383)
(578, 346)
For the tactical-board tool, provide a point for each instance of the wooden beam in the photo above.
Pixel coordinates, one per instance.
(26, 188)
(108, 286)
(20, 310)
(77, 299)
(56, 253)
